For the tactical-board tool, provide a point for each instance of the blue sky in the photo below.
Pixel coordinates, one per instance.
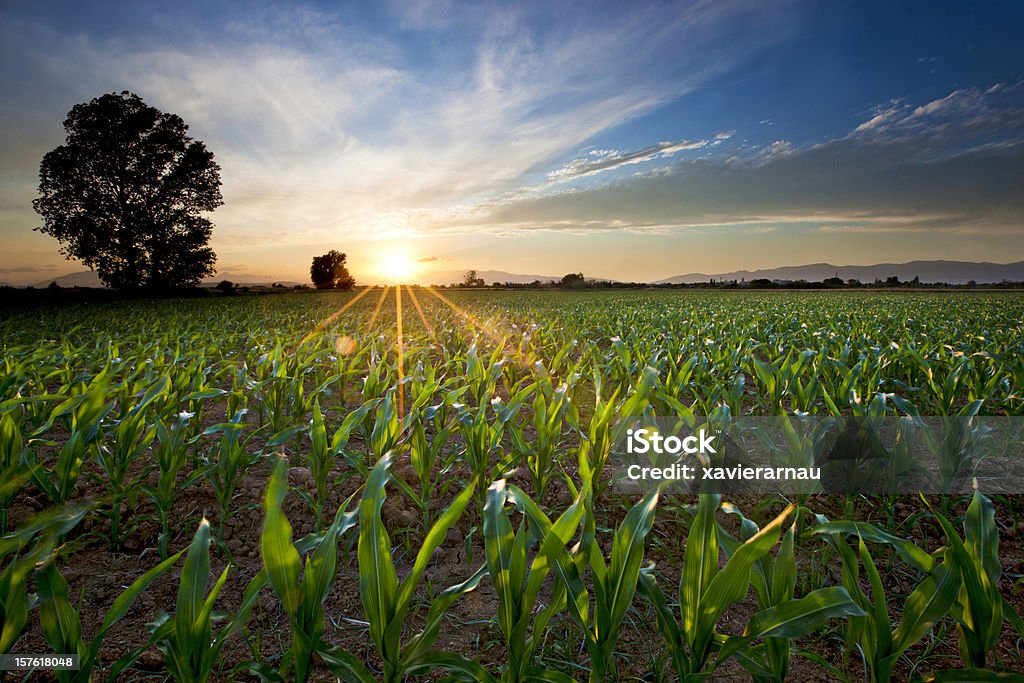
(627, 140)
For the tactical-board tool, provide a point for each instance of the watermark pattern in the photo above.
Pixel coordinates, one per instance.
(803, 454)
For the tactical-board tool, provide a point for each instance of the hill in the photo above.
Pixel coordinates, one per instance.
(952, 272)
(89, 278)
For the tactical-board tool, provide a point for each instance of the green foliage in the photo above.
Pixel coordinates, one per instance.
(300, 587)
(386, 601)
(191, 648)
(157, 396)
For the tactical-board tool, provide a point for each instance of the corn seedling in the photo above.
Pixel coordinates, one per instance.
(705, 590)
(386, 601)
(13, 470)
(518, 591)
(62, 627)
(609, 424)
(301, 588)
(20, 552)
(228, 464)
(129, 439)
(782, 617)
(187, 640)
(552, 407)
(980, 610)
(171, 458)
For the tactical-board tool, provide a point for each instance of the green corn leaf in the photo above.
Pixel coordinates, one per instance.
(624, 568)
(280, 557)
(913, 555)
(499, 547)
(926, 605)
(192, 589)
(700, 563)
(730, 585)
(378, 582)
(794, 618)
(879, 609)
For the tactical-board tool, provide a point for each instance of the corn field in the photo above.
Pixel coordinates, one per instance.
(404, 483)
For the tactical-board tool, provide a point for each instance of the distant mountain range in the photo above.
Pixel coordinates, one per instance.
(89, 278)
(952, 272)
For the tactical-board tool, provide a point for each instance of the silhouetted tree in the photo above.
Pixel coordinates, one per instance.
(573, 280)
(470, 279)
(328, 271)
(125, 194)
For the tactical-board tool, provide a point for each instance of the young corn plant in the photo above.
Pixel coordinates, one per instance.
(872, 633)
(301, 588)
(386, 601)
(608, 425)
(84, 414)
(228, 464)
(482, 437)
(129, 439)
(707, 590)
(171, 458)
(552, 407)
(20, 553)
(517, 590)
(427, 454)
(980, 609)
(774, 583)
(62, 628)
(321, 462)
(614, 583)
(13, 469)
(187, 640)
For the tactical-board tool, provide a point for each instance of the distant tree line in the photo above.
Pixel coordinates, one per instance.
(579, 281)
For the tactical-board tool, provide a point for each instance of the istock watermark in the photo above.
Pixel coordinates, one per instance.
(797, 454)
(640, 441)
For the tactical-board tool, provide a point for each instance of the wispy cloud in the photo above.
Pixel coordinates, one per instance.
(601, 160)
(964, 113)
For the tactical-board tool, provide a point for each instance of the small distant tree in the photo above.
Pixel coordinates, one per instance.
(226, 286)
(470, 279)
(573, 280)
(329, 272)
(892, 281)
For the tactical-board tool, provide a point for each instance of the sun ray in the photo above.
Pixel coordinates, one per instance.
(419, 311)
(516, 354)
(400, 347)
(331, 318)
(376, 308)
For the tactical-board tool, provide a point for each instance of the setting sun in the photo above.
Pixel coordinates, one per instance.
(399, 267)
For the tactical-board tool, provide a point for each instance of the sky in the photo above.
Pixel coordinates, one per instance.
(633, 141)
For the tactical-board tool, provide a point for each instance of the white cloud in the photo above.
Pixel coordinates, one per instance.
(599, 161)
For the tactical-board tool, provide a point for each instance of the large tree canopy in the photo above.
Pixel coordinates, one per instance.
(125, 194)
